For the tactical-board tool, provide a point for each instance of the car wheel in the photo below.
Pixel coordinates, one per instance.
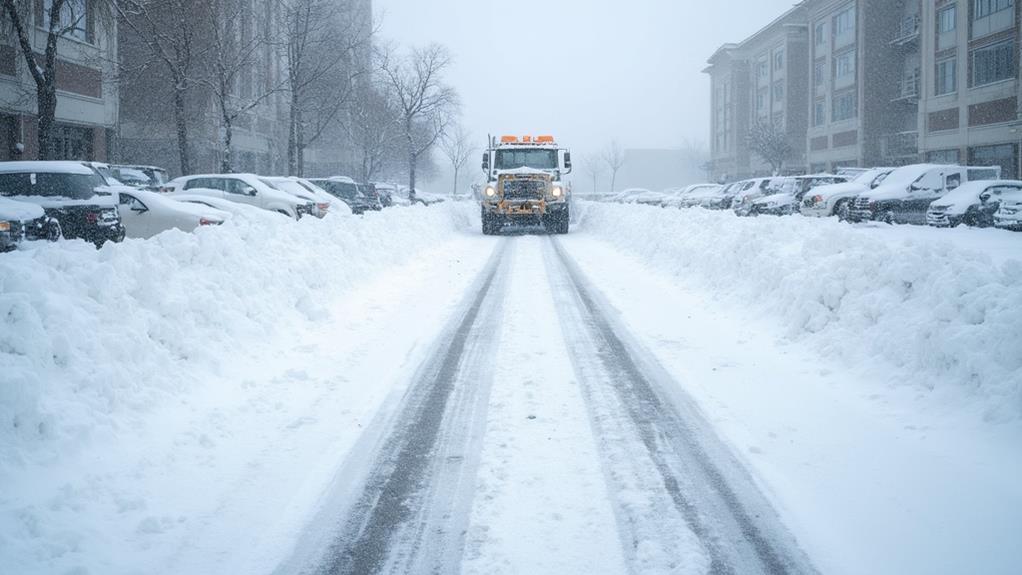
(52, 231)
(841, 210)
(887, 217)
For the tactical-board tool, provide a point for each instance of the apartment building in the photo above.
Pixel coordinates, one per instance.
(865, 90)
(761, 81)
(969, 112)
(87, 103)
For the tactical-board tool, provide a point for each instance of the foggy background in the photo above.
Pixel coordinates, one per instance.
(585, 71)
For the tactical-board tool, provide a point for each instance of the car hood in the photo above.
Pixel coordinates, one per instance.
(845, 189)
(889, 192)
(957, 203)
(780, 199)
(14, 211)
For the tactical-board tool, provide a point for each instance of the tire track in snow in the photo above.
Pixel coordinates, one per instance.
(412, 510)
(635, 404)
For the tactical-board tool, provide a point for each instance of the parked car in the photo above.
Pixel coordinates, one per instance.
(370, 192)
(646, 198)
(386, 192)
(71, 193)
(836, 198)
(233, 208)
(242, 188)
(24, 221)
(680, 198)
(336, 207)
(1009, 211)
(906, 194)
(347, 191)
(748, 190)
(696, 198)
(791, 192)
(628, 195)
(148, 177)
(320, 204)
(145, 214)
(972, 204)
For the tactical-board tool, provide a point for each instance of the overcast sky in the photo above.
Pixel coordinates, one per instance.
(585, 71)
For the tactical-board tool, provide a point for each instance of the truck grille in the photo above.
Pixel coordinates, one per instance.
(862, 203)
(524, 189)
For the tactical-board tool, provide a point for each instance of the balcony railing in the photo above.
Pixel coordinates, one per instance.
(908, 30)
(909, 86)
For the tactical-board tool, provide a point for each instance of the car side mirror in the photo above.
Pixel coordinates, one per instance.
(984, 197)
(486, 161)
(249, 191)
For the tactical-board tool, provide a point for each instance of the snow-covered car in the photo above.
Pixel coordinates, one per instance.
(647, 198)
(387, 192)
(745, 193)
(835, 199)
(145, 214)
(346, 190)
(627, 196)
(233, 208)
(21, 221)
(696, 198)
(426, 198)
(790, 194)
(680, 198)
(1009, 211)
(907, 192)
(149, 177)
(972, 204)
(320, 204)
(242, 188)
(336, 207)
(71, 193)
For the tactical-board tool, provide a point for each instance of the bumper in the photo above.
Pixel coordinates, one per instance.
(815, 211)
(1011, 222)
(942, 220)
(860, 215)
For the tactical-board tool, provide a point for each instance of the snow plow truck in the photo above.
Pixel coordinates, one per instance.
(525, 185)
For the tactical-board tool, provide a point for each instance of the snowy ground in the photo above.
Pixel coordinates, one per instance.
(660, 391)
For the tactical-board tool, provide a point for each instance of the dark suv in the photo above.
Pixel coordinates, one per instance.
(69, 192)
(350, 193)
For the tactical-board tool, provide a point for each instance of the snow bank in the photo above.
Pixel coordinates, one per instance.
(934, 314)
(91, 341)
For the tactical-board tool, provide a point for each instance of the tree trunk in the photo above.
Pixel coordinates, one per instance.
(181, 122)
(46, 96)
(227, 163)
(613, 181)
(455, 191)
(412, 160)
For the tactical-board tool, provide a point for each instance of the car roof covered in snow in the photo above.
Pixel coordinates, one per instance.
(15, 211)
(52, 167)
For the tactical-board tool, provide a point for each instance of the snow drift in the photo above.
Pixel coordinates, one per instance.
(928, 313)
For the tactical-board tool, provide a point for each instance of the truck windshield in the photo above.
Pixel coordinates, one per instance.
(536, 159)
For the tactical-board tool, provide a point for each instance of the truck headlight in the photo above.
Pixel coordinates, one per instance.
(5, 226)
(556, 192)
(490, 191)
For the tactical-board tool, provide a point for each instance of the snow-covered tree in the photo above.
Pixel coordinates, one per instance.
(771, 144)
(457, 146)
(614, 158)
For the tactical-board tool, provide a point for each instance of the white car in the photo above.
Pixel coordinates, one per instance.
(145, 214)
(628, 196)
(321, 206)
(241, 188)
(835, 199)
(680, 198)
(972, 204)
(233, 208)
(1009, 212)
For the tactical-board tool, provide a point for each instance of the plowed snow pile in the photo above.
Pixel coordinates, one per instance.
(942, 315)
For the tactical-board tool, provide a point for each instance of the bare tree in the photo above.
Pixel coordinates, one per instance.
(60, 19)
(175, 45)
(235, 51)
(321, 38)
(372, 126)
(425, 104)
(594, 166)
(457, 146)
(614, 158)
(771, 144)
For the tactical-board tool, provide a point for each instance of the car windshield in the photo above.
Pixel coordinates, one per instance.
(517, 158)
(64, 185)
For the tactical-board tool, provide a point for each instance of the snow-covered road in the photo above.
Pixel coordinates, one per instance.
(611, 401)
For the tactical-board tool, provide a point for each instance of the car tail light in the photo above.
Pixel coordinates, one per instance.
(323, 207)
(209, 222)
(92, 217)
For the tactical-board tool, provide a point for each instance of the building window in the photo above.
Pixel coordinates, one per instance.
(984, 8)
(844, 22)
(779, 60)
(819, 72)
(1002, 155)
(74, 18)
(947, 19)
(844, 106)
(778, 121)
(778, 91)
(946, 76)
(820, 112)
(763, 70)
(948, 157)
(819, 34)
(761, 97)
(993, 63)
(844, 64)
(74, 143)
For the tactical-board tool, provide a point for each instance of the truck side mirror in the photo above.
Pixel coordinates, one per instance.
(567, 161)
(486, 161)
